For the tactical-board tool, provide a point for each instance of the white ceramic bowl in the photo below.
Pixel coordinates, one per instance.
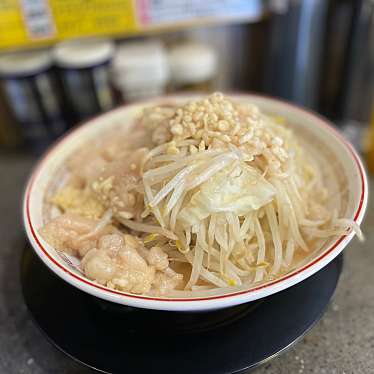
(327, 144)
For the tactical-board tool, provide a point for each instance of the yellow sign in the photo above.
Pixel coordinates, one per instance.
(12, 31)
(92, 17)
(29, 22)
(26, 22)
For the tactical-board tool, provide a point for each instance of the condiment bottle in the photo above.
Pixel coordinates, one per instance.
(30, 87)
(193, 67)
(83, 67)
(140, 70)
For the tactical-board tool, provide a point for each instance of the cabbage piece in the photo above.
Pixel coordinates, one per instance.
(239, 192)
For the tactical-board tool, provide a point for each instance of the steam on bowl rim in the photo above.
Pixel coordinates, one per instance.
(199, 303)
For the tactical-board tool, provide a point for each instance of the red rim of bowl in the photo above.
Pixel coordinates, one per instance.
(324, 122)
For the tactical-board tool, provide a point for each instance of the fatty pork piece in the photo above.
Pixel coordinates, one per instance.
(166, 279)
(122, 262)
(117, 264)
(85, 166)
(73, 234)
(89, 162)
(116, 143)
(119, 186)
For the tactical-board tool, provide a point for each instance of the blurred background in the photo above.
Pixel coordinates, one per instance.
(62, 62)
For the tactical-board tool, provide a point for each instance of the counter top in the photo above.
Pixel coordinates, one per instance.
(342, 342)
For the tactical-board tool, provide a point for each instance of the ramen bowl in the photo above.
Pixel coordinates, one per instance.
(342, 171)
